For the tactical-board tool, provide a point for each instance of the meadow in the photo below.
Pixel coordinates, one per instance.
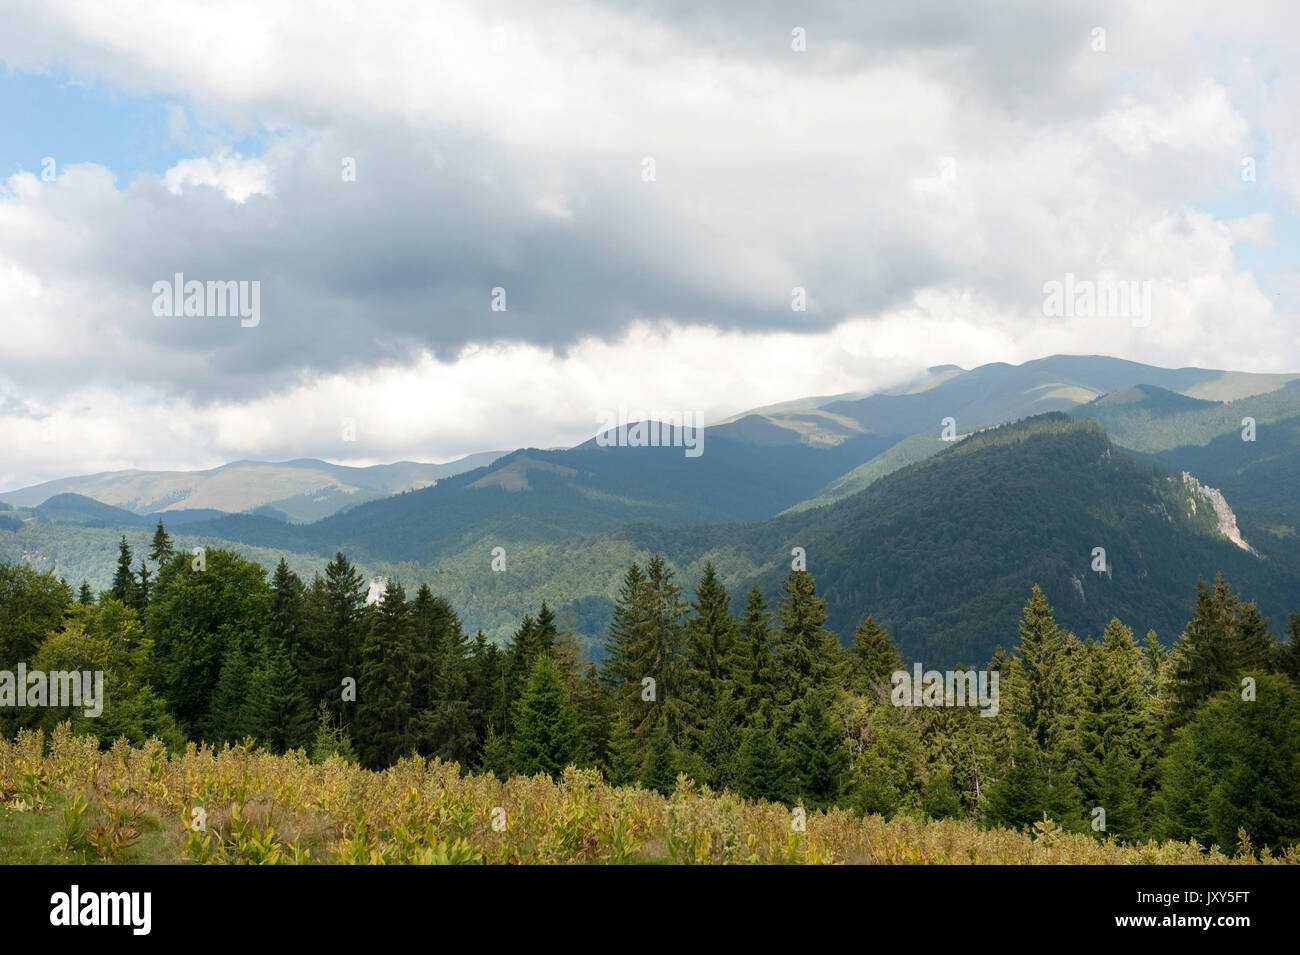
(63, 799)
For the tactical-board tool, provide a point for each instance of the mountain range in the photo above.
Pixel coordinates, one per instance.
(300, 491)
(934, 506)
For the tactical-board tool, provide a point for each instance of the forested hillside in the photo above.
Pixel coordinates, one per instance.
(768, 704)
(939, 550)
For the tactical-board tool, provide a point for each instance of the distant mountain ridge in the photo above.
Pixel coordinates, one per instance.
(925, 532)
(301, 490)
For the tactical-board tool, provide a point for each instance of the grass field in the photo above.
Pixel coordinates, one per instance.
(63, 800)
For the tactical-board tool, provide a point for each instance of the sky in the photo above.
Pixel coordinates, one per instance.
(489, 225)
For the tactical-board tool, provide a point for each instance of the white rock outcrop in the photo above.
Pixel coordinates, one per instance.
(1222, 512)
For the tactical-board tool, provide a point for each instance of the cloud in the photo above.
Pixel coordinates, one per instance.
(920, 174)
(233, 176)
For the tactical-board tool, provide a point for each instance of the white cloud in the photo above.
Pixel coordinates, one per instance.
(921, 177)
(234, 176)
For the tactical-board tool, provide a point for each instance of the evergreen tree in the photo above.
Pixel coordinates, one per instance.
(547, 735)
(623, 762)
(447, 718)
(230, 714)
(497, 756)
(1222, 638)
(755, 661)
(337, 625)
(619, 667)
(161, 551)
(84, 596)
(142, 588)
(710, 654)
(1116, 736)
(805, 655)
(595, 710)
(280, 712)
(646, 640)
(385, 725)
(1043, 688)
(1019, 798)
(331, 739)
(1287, 655)
(124, 583)
(1236, 765)
(721, 737)
(533, 638)
(1041, 653)
(285, 625)
(712, 633)
(660, 772)
(873, 658)
(762, 772)
(817, 752)
(489, 702)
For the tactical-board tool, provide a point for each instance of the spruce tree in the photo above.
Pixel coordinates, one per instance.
(1019, 797)
(1236, 765)
(487, 690)
(337, 624)
(447, 721)
(285, 625)
(712, 631)
(619, 667)
(721, 737)
(755, 665)
(1222, 638)
(124, 583)
(762, 772)
(385, 728)
(279, 710)
(1042, 657)
(85, 596)
(817, 752)
(595, 714)
(546, 735)
(142, 588)
(534, 637)
(805, 656)
(873, 658)
(1116, 736)
(646, 641)
(1287, 655)
(229, 716)
(660, 771)
(161, 551)
(710, 654)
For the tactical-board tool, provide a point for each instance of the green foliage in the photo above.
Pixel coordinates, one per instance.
(223, 655)
(31, 605)
(390, 657)
(873, 658)
(763, 772)
(1236, 766)
(1222, 638)
(195, 619)
(547, 735)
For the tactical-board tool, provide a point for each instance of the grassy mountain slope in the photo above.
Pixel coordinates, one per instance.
(301, 490)
(908, 451)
